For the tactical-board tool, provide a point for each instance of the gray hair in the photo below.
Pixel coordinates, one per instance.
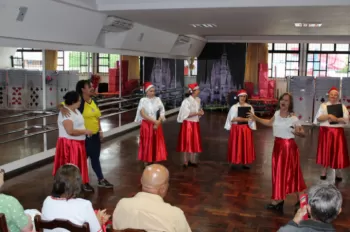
(325, 202)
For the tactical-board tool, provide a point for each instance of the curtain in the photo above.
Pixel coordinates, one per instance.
(256, 53)
(134, 67)
(50, 60)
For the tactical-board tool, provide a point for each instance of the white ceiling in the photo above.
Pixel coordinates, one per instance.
(258, 21)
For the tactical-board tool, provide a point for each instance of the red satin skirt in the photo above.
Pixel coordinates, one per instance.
(241, 145)
(287, 176)
(69, 151)
(189, 139)
(332, 149)
(152, 145)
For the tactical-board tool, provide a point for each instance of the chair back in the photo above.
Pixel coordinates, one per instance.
(3, 224)
(58, 223)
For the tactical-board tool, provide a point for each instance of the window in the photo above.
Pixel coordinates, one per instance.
(106, 61)
(331, 60)
(28, 58)
(31, 59)
(78, 61)
(60, 61)
(283, 59)
(188, 71)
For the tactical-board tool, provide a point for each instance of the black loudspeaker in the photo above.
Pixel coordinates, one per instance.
(103, 88)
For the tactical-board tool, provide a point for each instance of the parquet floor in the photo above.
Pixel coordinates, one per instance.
(213, 197)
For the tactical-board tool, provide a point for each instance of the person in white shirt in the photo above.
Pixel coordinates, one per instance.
(70, 147)
(147, 209)
(332, 150)
(189, 140)
(287, 176)
(241, 143)
(64, 202)
(151, 113)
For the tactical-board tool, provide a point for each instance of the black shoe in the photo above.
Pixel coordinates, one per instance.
(88, 188)
(278, 207)
(246, 167)
(194, 165)
(104, 184)
(323, 177)
(338, 179)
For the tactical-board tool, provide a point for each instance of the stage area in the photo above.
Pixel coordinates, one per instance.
(214, 197)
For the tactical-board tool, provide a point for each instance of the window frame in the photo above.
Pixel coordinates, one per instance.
(327, 53)
(286, 52)
(108, 59)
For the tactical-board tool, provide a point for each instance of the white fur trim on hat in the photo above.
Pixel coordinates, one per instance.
(242, 94)
(149, 87)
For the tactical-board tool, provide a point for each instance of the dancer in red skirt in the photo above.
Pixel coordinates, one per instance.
(151, 113)
(189, 141)
(287, 176)
(332, 150)
(240, 145)
(70, 148)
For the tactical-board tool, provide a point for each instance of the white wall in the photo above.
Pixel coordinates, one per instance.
(5, 53)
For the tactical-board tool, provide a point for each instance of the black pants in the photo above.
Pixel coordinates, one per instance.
(93, 149)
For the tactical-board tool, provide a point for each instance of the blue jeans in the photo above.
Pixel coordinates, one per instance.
(93, 150)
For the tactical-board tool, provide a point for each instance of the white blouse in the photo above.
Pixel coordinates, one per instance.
(78, 124)
(188, 106)
(150, 107)
(323, 111)
(77, 211)
(233, 114)
(282, 126)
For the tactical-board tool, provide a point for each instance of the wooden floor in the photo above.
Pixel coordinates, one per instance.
(213, 197)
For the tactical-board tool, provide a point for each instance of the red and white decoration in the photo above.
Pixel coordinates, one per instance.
(303, 90)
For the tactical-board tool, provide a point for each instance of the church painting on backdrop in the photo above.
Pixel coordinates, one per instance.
(221, 68)
(167, 75)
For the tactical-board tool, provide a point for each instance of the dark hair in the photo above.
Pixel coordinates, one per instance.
(188, 94)
(67, 182)
(325, 202)
(71, 97)
(81, 85)
(291, 104)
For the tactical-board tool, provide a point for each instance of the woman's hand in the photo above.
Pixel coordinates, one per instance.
(65, 112)
(332, 118)
(251, 116)
(102, 216)
(299, 215)
(156, 124)
(201, 112)
(88, 133)
(299, 131)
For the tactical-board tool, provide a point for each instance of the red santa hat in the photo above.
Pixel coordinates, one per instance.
(192, 87)
(333, 89)
(242, 92)
(147, 86)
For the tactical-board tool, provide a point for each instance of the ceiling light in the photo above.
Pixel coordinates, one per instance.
(205, 25)
(312, 25)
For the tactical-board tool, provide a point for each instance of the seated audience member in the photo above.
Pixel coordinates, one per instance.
(16, 219)
(147, 209)
(324, 205)
(64, 202)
